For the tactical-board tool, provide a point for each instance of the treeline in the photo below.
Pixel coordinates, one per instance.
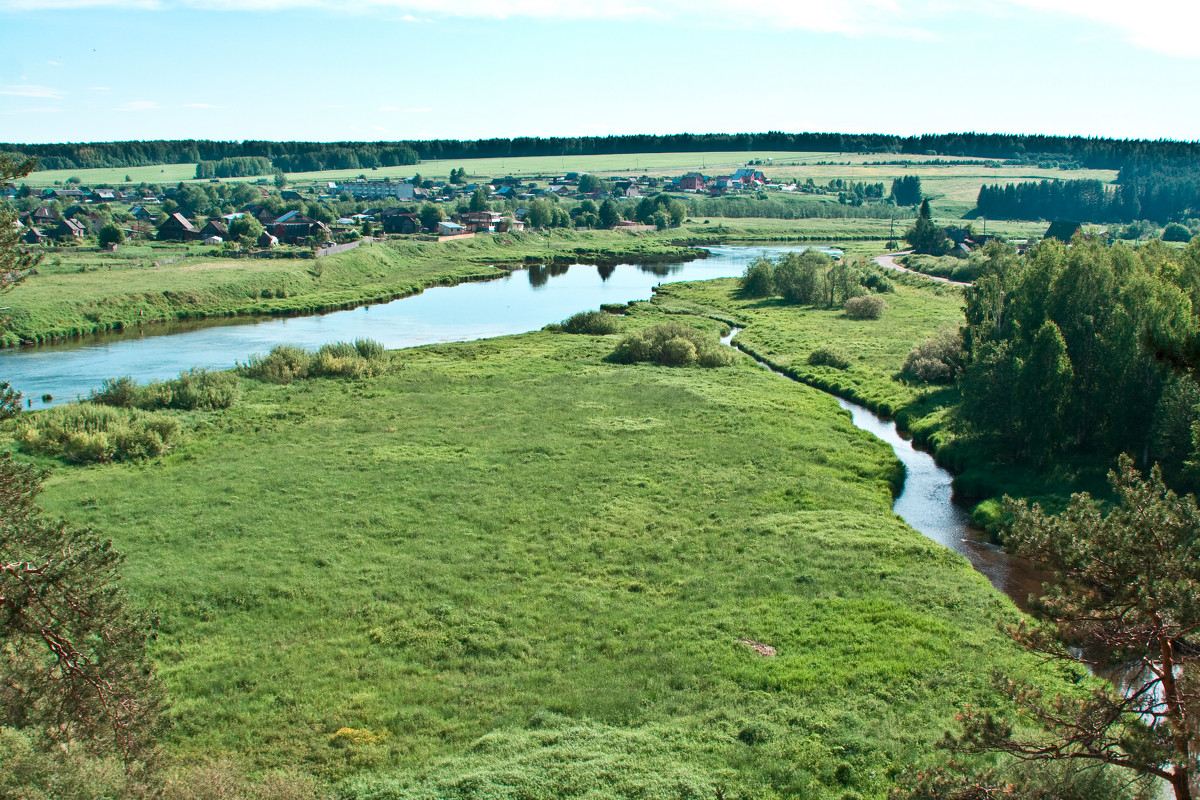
(1063, 352)
(739, 207)
(1089, 152)
(1090, 200)
(1160, 194)
(239, 167)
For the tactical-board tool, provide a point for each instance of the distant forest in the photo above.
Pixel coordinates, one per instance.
(1162, 193)
(1079, 151)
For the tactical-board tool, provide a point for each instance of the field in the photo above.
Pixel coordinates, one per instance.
(515, 540)
(953, 183)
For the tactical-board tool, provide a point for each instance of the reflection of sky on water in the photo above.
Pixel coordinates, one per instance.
(523, 301)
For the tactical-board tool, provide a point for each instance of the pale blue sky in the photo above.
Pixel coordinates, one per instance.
(73, 70)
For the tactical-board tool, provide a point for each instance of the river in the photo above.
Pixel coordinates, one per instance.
(517, 302)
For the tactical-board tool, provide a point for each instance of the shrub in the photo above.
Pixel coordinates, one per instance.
(596, 323)
(672, 344)
(194, 389)
(938, 359)
(876, 281)
(87, 433)
(866, 307)
(283, 364)
(1175, 232)
(828, 357)
(759, 279)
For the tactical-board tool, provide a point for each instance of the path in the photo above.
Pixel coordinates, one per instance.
(888, 261)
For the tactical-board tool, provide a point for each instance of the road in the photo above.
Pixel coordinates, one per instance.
(888, 261)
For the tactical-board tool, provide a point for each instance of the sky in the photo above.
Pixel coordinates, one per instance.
(100, 70)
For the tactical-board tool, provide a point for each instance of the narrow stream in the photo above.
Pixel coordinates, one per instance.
(927, 504)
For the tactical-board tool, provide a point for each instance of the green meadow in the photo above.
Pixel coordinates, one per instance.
(510, 568)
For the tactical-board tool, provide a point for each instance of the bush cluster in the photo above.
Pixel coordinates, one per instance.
(361, 358)
(85, 433)
(936, 360)
(828, 357)
(866, 307)
(673, 344)
(596, 323)
(194, 389)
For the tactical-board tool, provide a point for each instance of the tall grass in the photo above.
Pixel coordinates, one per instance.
(285, 363)
(672, 344)
(85, 433)
(194, 389)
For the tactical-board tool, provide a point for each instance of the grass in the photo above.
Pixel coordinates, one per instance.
(510, 563)
(79, 291)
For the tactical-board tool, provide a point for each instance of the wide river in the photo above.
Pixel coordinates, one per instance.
(521, 301)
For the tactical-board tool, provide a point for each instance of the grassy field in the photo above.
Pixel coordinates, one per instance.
(952, 183)
(510, 566)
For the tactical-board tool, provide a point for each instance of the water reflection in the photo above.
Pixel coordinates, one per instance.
(507, 305)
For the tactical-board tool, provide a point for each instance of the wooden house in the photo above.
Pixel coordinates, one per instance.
(178, 228)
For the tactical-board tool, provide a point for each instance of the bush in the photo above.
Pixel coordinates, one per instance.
(596, 323)
(867, 307)
(759, 279)
(1176, 233)
(673, 344)
(828, 357)
(936, 360)
(194, 389)
(87, 434)
(876, 281)
(285, 363)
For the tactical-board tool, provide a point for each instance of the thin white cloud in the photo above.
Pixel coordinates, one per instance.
(415, 110)
(388, 108)
(99, 88)
(1164, 26)
(54, 63)
(202, 105)
(32, 90)
(379, 129)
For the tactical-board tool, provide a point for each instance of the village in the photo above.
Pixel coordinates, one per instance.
(251, 215)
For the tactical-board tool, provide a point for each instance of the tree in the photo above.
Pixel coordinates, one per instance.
(926, 236)
(245, 228)
(1126, 591)
(75, 663)
(1175, 232)
(609, 214)
(15, 263)
(588, 183)
(111, 234)
(479, 201)
(906, 191)
(281, 181)
(431, 214)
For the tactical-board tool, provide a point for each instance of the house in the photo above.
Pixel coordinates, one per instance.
(401, 223)
(32, 236)
(267, 240)
(475, 221)
(692, 182)
(294, 227)
(632, 191)
(289, 194)
(750, 177)
(140, 213)
(177, 228)
(61, 195)
(69, 229)
(215, 227)
(213, 240)
(450, 229)
(104, 196)
(1063, 230)
(42, 214)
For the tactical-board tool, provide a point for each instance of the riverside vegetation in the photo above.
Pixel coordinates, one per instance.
(514, 568)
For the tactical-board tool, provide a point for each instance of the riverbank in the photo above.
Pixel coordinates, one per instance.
(78, 293)
(514, 539)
